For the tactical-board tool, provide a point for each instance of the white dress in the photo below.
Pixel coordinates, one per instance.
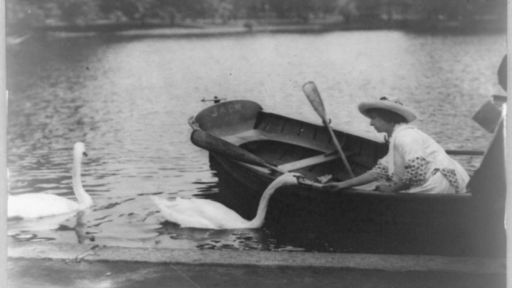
(415, 158)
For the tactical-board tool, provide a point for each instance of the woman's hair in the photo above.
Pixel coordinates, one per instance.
(387, 115)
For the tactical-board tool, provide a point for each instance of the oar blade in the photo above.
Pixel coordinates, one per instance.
(313, 95)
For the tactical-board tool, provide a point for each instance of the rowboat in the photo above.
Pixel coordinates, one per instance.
(249, 147)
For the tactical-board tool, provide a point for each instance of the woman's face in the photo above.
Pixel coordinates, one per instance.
(380, 125)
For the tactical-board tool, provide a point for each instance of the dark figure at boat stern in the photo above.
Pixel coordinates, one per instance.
(502, 73)
(415, 163)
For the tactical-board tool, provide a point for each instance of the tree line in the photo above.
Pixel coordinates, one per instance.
(34, 13)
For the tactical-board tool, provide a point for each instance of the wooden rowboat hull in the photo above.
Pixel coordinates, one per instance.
(357, 220)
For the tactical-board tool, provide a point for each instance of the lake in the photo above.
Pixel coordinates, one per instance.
(129, 100)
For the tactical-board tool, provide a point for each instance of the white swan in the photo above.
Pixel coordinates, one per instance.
(204, 213)
(37, 205)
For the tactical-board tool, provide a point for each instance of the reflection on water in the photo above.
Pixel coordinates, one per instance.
(25, 230)
(129, 101)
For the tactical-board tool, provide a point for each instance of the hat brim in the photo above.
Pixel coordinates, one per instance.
(407, 113)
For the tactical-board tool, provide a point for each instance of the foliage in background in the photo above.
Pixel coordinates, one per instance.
(23, 14)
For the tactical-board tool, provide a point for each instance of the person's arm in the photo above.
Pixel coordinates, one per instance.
(362, 179)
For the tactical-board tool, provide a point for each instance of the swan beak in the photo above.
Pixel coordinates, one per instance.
(303, 181)
(299, 178)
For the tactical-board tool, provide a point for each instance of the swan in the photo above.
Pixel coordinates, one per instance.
(208, 214)
(37, 205)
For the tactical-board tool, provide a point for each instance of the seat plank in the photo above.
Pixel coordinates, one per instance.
(317, 159)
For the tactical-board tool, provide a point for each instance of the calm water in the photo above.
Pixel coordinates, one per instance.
(129, 101)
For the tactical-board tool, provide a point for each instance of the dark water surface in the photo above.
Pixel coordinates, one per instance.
(129, 101)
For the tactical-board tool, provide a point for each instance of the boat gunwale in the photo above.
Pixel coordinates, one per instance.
(262, 111)
(350, 192)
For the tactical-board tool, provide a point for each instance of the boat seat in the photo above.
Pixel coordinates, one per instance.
(246, 136)
(258, 135)
(306, 162)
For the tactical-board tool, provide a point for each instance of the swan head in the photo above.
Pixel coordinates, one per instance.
(291, 178)
(84, 199)
(79, 150)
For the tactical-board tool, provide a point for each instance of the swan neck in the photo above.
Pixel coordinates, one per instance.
(83, 198)
(258, 220)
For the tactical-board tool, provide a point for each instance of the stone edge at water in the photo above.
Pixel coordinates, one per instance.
(77, 252)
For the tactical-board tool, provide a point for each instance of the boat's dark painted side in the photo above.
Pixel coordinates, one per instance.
(358, 220)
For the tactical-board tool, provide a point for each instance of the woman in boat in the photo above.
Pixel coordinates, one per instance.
(415, 163)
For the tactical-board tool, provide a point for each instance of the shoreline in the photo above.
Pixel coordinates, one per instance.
(78, 265)
(243, 27)
(384, 262)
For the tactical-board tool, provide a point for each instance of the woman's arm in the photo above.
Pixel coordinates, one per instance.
(362, 179)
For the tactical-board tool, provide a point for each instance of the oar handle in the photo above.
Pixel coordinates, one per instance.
(302, 181)
(338, 147)
(465, 152)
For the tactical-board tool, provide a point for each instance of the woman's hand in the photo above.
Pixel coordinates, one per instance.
(385, 188)
(335, 186)
(390, 188)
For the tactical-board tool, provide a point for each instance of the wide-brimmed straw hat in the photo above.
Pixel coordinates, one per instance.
(393, 105)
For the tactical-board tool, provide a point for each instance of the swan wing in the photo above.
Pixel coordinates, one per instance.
(180, 212)
(36, 205)
(222, 216)
(199, 213)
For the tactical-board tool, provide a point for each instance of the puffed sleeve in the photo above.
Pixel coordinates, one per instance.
(416, 170)
(381, 169)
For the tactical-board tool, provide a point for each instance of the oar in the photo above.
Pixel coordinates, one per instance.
(465, 152)
(316, 101)
(215, 144)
